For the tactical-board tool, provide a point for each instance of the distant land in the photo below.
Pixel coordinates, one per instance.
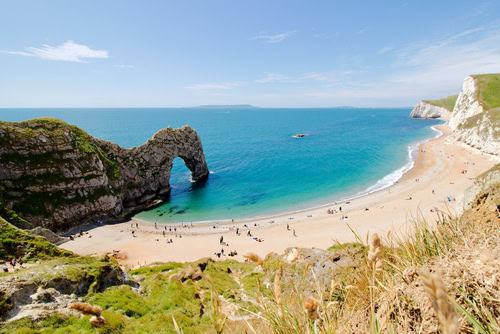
(227, 106)
(249, 106)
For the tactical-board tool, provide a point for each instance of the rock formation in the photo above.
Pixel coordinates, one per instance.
(475, 119)
(426, 110)
(471, 123)
(57, 176)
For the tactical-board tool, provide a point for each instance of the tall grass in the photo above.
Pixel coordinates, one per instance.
(371, 298)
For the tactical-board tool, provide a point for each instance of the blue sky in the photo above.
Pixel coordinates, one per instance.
(268, 53)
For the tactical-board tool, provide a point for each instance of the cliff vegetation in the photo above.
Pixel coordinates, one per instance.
(446, 102)
(444, 276)
(56, 175)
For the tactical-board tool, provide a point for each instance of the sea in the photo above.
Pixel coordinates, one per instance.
(257, 167)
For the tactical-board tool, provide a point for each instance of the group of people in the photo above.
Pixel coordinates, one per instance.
(79, 234)
(13, 263)
(332, 211)
(221, 253)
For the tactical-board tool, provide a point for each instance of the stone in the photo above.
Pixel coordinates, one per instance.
(427, 110)
(73, 178)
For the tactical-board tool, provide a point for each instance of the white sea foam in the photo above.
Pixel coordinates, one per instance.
(391, 178)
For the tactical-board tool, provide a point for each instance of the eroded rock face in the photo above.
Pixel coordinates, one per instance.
(427, 110)
(471, 124)
(57, 176)
(466, 105)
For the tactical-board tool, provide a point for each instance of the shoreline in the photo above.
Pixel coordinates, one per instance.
(438, 166)
(407, 167)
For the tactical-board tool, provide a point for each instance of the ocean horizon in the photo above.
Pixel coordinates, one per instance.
(257, 167)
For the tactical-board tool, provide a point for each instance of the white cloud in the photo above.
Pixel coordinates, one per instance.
(274, 77)
(316, 76)
(422, 70)
(274, 38)
(215, 86)
(385, 49)
(69, 51)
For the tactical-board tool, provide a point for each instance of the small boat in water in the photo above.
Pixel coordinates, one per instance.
(300, 135)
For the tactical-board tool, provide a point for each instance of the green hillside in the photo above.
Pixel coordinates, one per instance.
(446, 102)
(488, 94)
(489, 90)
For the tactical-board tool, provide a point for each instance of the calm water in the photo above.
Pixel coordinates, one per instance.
(256, 167)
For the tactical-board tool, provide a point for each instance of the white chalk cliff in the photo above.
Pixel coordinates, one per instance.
(471, 124)
(426, 110)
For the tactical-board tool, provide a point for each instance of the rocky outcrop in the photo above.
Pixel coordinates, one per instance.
(467, 104)
(481, 184)
(57, 176)
(471, 123)
(426, 110)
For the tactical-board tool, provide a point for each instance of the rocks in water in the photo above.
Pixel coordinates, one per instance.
(57, 176)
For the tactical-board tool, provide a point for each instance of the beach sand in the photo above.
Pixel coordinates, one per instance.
(438, 167)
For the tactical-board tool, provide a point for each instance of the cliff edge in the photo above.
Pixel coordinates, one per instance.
(475, 120)
(55, 175)
(426, 109)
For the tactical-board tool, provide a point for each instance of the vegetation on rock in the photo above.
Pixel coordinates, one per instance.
(446, 102)
(351, 288)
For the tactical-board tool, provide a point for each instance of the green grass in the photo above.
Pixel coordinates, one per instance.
(488, 90)
(15, 242)
(446, 102)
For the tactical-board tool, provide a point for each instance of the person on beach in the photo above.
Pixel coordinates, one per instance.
(288, 227)
(294, 233)
(221, 240)
(163, 233)
(249, 234)
(137, 225)
(237, 231)
(156, 227)
(340, 208)
(5, 268)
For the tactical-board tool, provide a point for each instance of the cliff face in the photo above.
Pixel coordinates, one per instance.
(471, 123)
(467, 104)
(57, 176)
(427, 110)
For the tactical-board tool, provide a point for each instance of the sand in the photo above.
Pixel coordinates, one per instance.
(439, 167)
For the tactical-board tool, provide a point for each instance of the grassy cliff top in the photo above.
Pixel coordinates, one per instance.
(446, 102)
(488, 90)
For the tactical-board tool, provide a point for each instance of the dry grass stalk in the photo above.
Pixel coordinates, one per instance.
(277, 290)
(254, 258)
(305, 271)
(98, 321)
(375, 252)
(445, 311)
(175, 277)
(95, 312)
(86, 309)
(333, 285)
(311, 306)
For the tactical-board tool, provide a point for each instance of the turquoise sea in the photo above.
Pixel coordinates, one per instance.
(256, 167)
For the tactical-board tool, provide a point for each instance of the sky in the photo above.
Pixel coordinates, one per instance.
(269, 53)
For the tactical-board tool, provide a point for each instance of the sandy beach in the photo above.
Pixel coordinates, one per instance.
(437, 181)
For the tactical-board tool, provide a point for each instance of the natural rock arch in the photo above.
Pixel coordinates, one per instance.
(56, 175)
